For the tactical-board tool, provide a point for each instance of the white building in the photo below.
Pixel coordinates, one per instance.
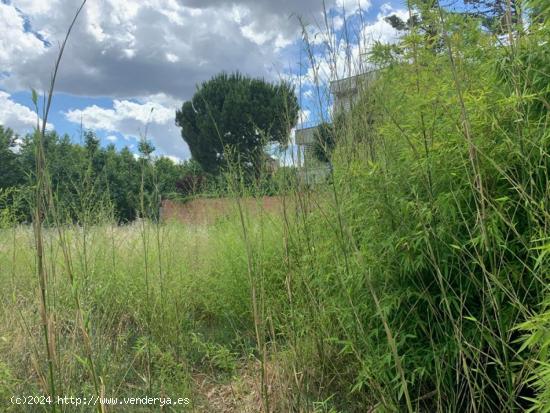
(346, 93)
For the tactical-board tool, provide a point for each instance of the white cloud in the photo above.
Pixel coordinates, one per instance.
(338, 22)
(381, 30)
(172, 58)
(336, 63)
(117, 44)
(304, 116)
(145, 53)
(337, 59)
(123, 110)
(148, 118)
(16, 116)
(37, 7)
(174, 159)
(352, 6)
(16, 45)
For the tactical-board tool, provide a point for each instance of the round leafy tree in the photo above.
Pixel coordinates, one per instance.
(233, 118)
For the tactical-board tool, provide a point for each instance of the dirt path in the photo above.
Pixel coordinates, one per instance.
(239, 394)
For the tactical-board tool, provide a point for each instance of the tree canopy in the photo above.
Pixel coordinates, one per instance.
(233, 117)
(89, 175)
(494, 15)
(10, 175)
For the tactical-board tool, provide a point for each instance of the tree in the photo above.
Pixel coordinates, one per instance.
(91, 143)
(89, 181)
(9, 167)
(146, 148)
(500, 16)
(233, 117)
(325, 142)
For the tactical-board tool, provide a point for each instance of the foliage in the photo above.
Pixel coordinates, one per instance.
(436, 197)
(232, 117)
(496, 15)
(216, 355)
(325, 141)
(415, 280)
(10, 172)
(191, 184)
(86, 174)
(537, 340)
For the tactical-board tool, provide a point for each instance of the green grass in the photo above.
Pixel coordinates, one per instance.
(415, 279)
(204, 298)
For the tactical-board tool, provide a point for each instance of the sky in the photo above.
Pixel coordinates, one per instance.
(130, 64)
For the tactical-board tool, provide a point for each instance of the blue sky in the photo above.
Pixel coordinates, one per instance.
(126, 57)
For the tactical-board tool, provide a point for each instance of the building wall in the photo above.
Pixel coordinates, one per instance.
(312, 170)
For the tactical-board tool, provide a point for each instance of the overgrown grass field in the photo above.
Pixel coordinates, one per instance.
(150, 297)
(416, 278)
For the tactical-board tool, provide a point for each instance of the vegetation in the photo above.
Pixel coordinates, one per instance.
(415, 279)
(232, 118)
(325, 142)
(86, 173)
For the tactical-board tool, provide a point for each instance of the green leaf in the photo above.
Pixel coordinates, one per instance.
(34, 97)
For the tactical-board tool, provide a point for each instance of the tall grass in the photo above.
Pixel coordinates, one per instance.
(414, 279)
